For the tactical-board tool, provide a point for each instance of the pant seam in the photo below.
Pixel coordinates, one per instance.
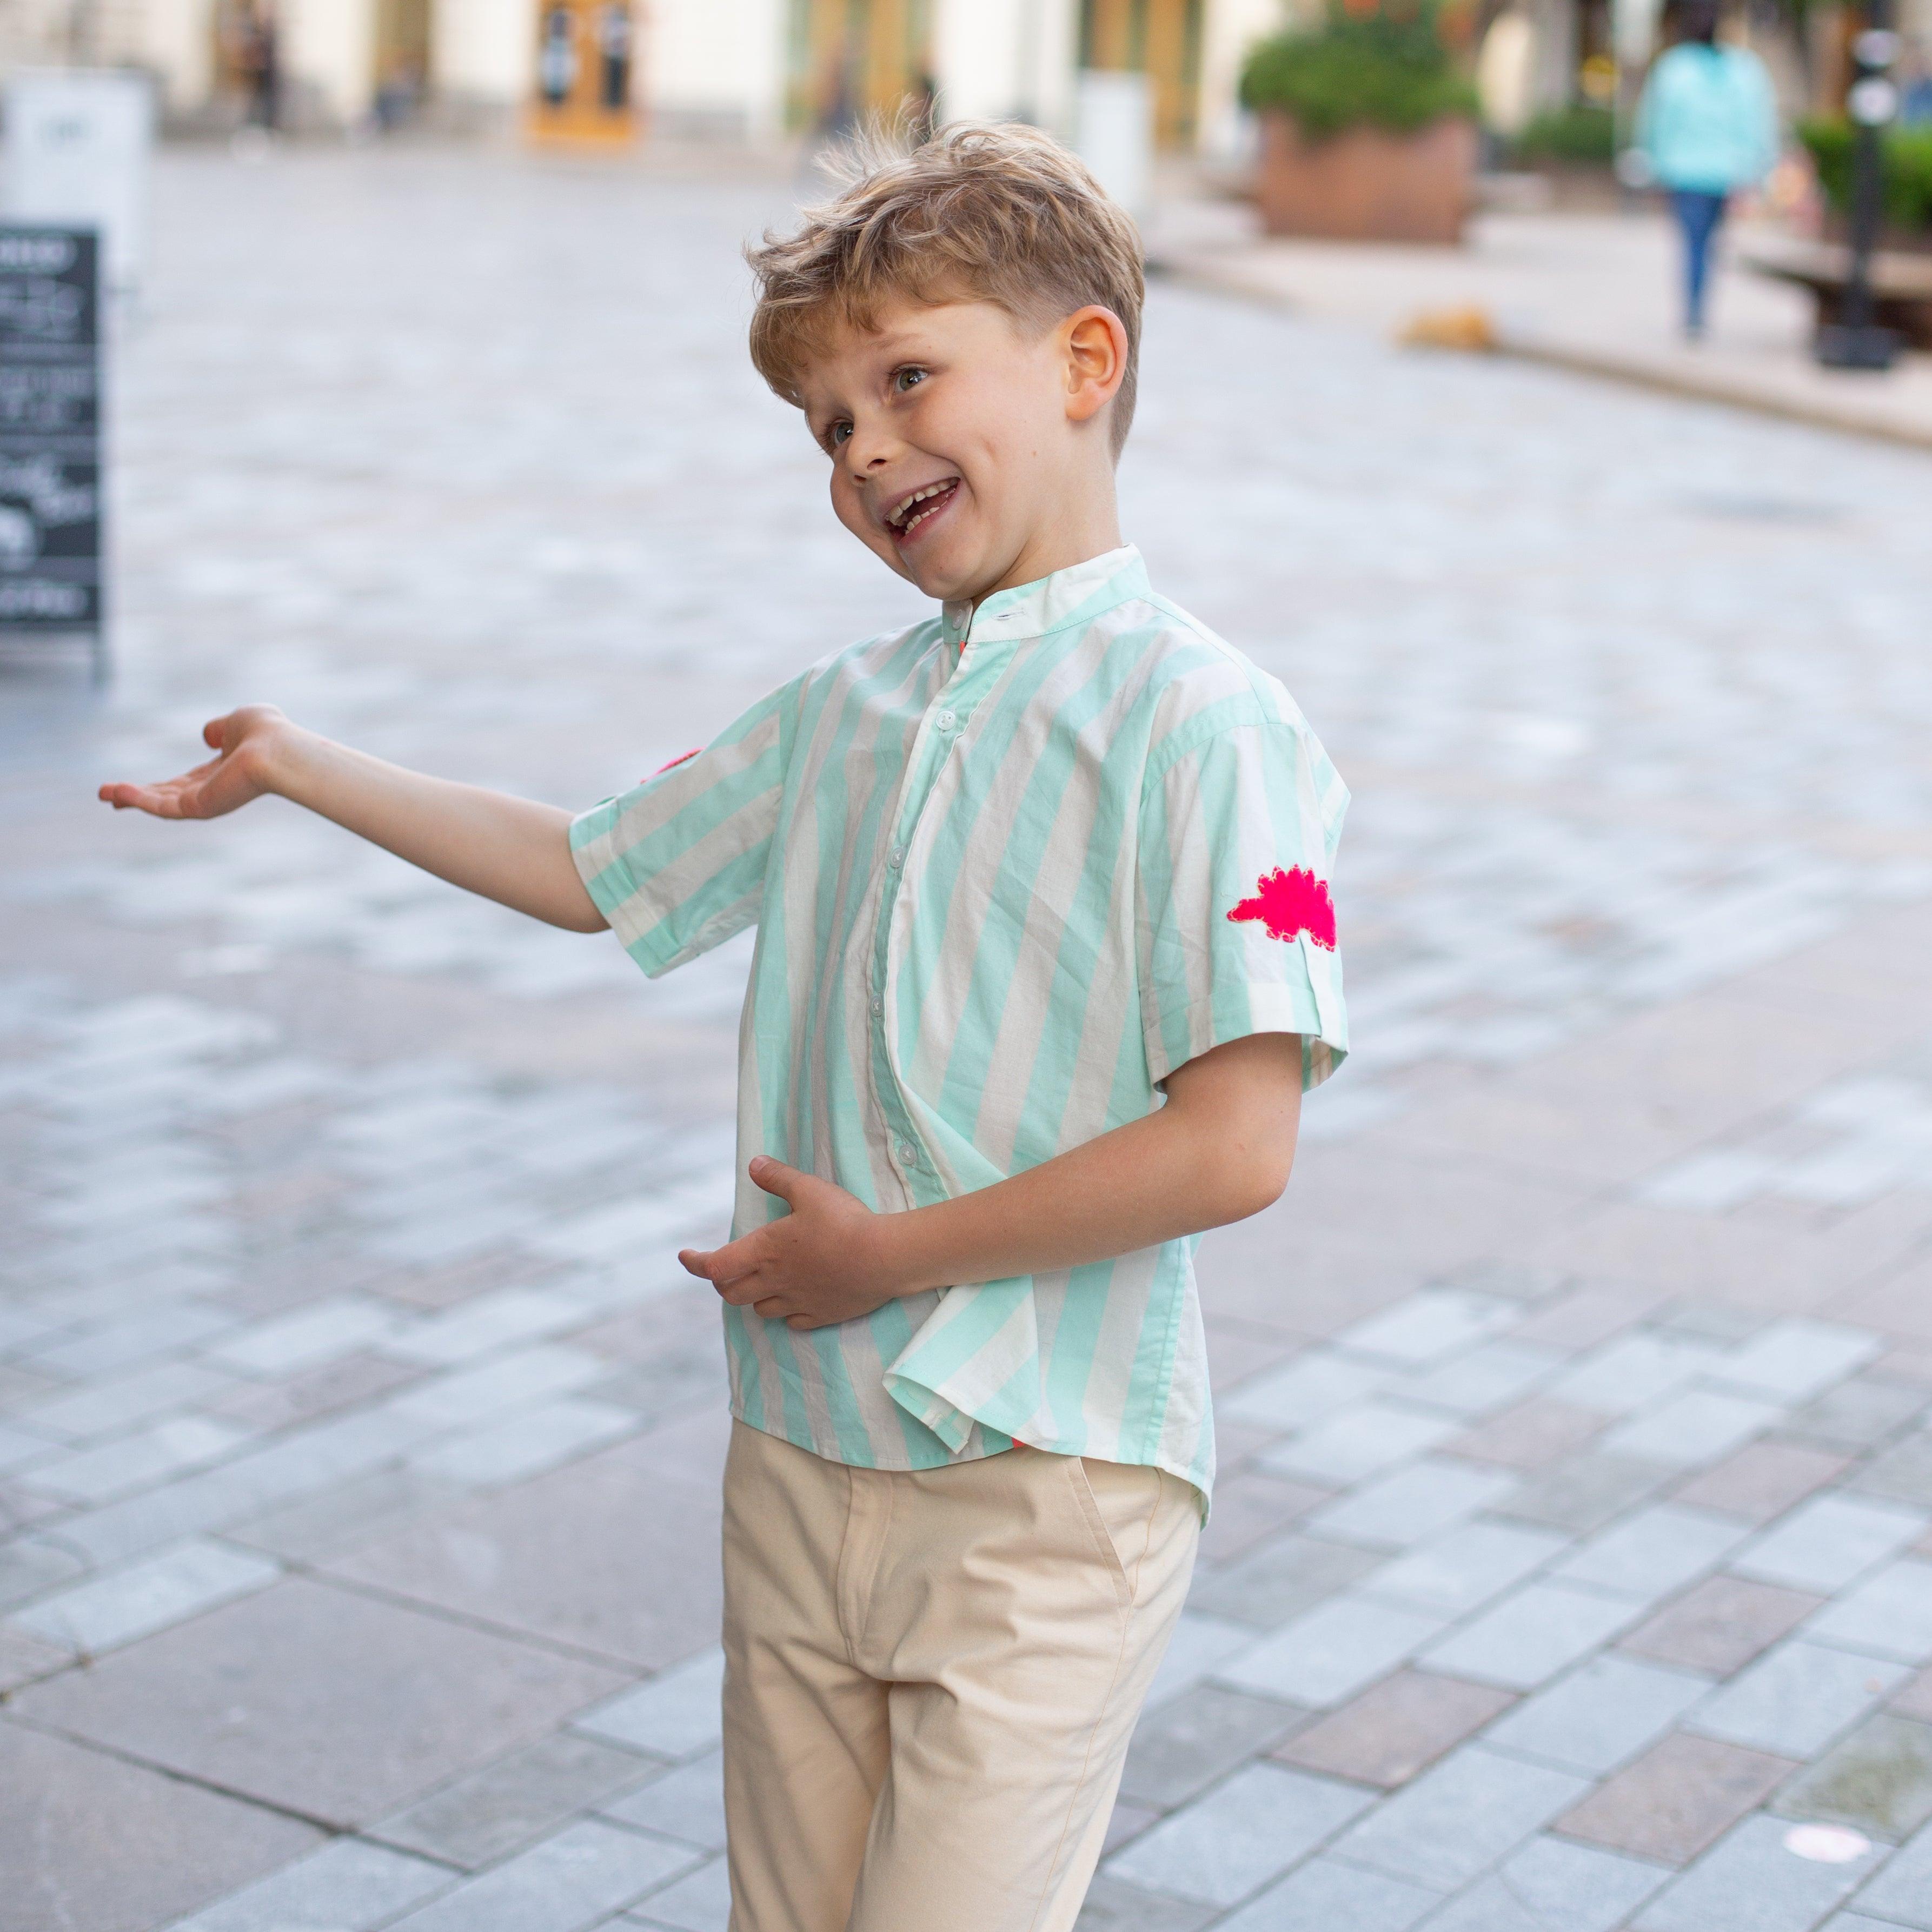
(1099, 1716)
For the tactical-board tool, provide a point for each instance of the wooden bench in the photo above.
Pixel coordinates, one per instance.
(1901, 283)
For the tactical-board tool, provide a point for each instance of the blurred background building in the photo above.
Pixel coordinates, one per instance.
(756, 70)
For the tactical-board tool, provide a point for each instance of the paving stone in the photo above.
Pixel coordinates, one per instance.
(1582, 1492)
(1750, 1883)
(1324, 1894)
(1429, 1325)
(1889, 1614)
(1464, 1568)
(1528, 1637)
(138, 1338)
(1181, 1749)
(1681, 1795)
(1792, 1361)
(1251, 1506)
(688, 1803)
(1822, 1545)
(252, 1697)
(521, 1797)
(322, 1332)
(1633, 1372)
(91, 1842)
(350, 1513)
(1901, 1893)
(135, 1602)
(1357, 1441)
(139, 1461)
(350, 1884)
(1915, 1700)
(1123, 1822)
(1114, 1906)
(484, 1393)
(1902, 1473)
(1553, 1886)
(1531, 1435)
(1599, 1716)
(540, 1558)
(1396, 1510)
(1482, 1380)
(1653, 1552)
(1861, 1414)
(1302, 1392)
(700, 1902)
(1395, 1728)
(123, 1401)
(1243, 1833)
(568, 1883)
(1587, 1316)
(527, 1443)
(1453, 1821)
(485, 1324)
(1720, 1624)
(1281, 1580)
(29, 1567)
(1199, 1644)
(311, 1393)
(26, 1660)
(1762, 1480)
(1878, 1780)
(1697, 1427)
(1795, 1699)
(1328, 1653)
(673, 1716)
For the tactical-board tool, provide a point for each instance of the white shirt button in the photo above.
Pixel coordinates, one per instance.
(945, 721)
(908, 1153)
(896, 856)
(878, 1004)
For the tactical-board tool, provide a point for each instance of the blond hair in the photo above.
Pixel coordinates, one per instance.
(999, 214)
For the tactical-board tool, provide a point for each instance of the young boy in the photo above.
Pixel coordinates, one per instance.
(1045, 959)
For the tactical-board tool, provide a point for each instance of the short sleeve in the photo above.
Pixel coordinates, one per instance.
(1236, 918)
(677, 864)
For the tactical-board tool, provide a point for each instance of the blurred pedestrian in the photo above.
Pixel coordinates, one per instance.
(1707, 125)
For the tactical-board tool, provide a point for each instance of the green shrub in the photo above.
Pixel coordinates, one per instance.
(1387, 68)
(1581, 133)
(1908, 169)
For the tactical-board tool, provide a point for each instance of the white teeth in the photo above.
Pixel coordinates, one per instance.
(898, 517)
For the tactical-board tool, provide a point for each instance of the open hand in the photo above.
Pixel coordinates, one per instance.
(819, 1265)
(237, 772)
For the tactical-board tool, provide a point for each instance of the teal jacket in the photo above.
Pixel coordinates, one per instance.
(1708, 120)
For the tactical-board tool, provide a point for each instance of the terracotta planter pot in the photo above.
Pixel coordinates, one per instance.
(1366, 184)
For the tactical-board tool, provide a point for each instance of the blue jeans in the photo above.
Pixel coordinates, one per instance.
(1698, 214)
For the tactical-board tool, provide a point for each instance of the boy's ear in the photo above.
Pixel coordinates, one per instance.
(1095, 342)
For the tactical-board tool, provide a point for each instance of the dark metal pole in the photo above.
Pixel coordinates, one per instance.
(1855, 341)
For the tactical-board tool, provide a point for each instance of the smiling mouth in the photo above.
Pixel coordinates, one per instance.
(912, 513)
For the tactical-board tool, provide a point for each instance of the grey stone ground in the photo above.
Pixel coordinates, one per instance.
(360, 1457)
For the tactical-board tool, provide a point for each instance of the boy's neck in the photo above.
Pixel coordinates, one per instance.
(1083, 532)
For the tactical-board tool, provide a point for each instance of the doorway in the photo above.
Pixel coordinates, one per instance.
(851, 60)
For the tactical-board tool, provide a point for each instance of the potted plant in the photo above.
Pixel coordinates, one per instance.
(1368, 130)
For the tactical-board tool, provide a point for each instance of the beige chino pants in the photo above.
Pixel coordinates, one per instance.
(930, 1677)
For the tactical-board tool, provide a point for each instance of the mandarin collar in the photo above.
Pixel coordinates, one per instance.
(1080, 591)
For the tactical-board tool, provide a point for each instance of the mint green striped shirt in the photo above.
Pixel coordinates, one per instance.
(1009, 868)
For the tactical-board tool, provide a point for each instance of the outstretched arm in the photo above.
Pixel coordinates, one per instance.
(1219, 1151)
(511, 849)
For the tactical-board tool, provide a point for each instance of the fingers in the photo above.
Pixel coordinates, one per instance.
(720, 1266)
(774, 1177)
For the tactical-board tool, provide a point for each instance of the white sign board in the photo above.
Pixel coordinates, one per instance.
(1113, 133)
(76, 155)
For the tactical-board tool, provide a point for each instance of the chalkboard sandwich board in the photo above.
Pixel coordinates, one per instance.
(50, 456)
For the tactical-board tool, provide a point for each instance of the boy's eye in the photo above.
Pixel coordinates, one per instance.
(838, 435)
(903, 380)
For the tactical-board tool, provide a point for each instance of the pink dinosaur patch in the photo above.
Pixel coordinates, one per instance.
(1291, 903)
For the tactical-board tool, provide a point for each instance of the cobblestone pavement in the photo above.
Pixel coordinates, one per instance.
(358, 1463)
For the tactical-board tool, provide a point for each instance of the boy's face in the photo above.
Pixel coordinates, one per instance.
(960, 442)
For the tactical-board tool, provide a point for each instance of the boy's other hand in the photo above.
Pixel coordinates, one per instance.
(817, 1265)
(237, 773)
